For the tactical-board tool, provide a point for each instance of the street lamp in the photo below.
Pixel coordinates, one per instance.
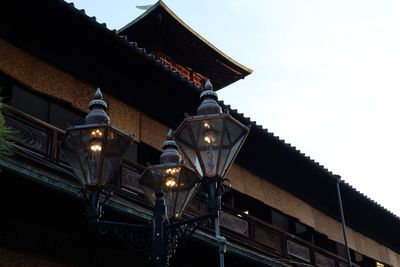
(169, 186)
(210, 141)
(177, 181)
(95, 151)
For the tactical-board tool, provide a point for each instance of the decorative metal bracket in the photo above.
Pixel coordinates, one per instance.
(141, 237)
(179, 232)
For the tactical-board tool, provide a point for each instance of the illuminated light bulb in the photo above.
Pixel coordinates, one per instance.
(170, 183)
(210, 139)
(206, 125)
(97, 133)
(95, 147)
(171, 171)
(246, 212)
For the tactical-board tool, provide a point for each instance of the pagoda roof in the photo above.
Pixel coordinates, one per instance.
(159, 29)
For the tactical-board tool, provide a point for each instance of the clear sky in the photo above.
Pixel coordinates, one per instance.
(326, 76)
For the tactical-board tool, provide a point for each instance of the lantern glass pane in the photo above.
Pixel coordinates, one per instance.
(213, 142)
(208, 137)
(73, 158)
(233, 138)
(185, 143)
(149, 186)
(83, 148)
(178, 182)
(189, 183)
(115, 147)
(170, 186)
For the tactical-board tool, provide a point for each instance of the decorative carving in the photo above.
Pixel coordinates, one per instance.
(323, 261)
(234, 223)
(29, 136)
(298, 251)
(268, 238)
(129, 179)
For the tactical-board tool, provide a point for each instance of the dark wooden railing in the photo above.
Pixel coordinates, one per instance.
(43, 141)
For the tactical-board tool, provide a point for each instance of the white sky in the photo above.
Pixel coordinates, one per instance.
(326, 76)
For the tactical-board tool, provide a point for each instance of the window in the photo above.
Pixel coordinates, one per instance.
(147, 154)
(324, 242)
(55, 112)
(280, 220)
(48, 110)
(251, 206)
(303, 231)
(341, 250)
(5, 87)
(29, 103)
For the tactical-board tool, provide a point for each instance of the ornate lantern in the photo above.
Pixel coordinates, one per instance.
(96, 149)
(175, 180)
(212, 139)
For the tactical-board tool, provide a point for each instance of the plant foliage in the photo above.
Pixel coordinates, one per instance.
(6, 135)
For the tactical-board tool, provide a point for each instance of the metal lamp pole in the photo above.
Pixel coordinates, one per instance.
(338, 179)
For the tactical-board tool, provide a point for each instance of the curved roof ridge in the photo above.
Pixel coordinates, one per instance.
(170, 12)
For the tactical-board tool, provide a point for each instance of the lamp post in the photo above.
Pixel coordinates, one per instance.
(210, 142)
(170, 186)
(95, 151)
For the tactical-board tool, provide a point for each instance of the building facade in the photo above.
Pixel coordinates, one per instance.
(282, 209)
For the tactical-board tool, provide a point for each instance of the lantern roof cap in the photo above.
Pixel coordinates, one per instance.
(98, 109)
(170, 142)
(98, 100)
(208, 91)
(170, 154)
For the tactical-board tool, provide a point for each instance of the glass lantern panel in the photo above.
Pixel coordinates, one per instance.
(68, 149)
(171, 188)
(114, 149)
(185, 143)
(233, 137)
(87, 144)
(168, 180)
(208, 136)
(178, 183)
(189, 183)
(149, 186)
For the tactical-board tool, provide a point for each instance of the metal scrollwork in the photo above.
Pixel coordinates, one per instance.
(178, 233)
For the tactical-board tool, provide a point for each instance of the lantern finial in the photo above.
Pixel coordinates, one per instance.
(209, 103)
(208, 86)
(170, 154)
(98, 109)
(98, 94)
